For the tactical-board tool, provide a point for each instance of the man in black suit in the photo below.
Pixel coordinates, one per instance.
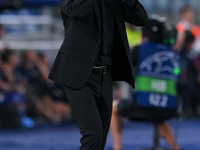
(95, 46)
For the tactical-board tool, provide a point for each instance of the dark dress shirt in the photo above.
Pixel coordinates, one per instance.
(104, 57)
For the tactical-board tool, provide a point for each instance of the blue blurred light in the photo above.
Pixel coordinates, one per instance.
(41, 2)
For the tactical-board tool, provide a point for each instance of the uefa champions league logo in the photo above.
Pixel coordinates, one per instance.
(158, 63)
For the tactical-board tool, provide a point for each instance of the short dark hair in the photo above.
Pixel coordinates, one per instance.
(185, 8)
(5, 55)
(153, 30)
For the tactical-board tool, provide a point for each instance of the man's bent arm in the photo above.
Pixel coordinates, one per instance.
(76, 8)
(134, 12)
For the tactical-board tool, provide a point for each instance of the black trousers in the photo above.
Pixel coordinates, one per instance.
(92, 109)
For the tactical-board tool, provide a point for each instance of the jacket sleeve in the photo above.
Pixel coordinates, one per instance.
(76, 8)
(134, 12)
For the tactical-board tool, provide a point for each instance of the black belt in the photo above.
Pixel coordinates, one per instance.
(101, 69)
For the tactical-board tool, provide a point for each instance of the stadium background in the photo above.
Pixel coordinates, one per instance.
(36, 25)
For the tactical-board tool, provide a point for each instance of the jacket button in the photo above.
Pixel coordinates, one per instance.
(97, 45)
(93, 58)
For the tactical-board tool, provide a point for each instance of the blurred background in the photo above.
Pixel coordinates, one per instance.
(34, 113)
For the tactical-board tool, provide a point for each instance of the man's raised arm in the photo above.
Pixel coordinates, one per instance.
(134, 12)
(76, 8)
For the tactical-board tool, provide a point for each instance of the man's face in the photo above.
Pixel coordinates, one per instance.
(13, 60)
(189, 15)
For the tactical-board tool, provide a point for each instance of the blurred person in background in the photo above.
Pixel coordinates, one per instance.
(186, 24)
(12, 89)
(116, 90)
(188, 87)
(45, 99)
(3, 44)
(54, 96)
(30, 71)
(153, 32)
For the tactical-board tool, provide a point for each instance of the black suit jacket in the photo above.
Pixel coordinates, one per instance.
(76, 57)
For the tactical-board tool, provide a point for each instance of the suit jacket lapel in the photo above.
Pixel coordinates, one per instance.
(97, 13)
